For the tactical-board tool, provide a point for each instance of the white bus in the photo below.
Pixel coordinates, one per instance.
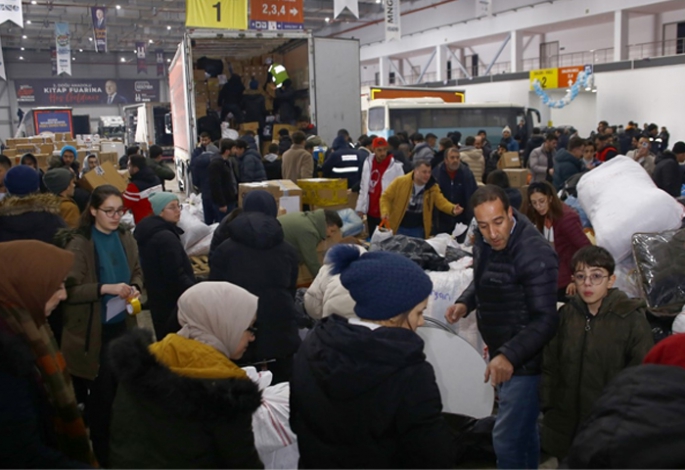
(432, 115)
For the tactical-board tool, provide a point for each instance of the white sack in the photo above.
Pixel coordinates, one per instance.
(620, 199)
(202, 247)
(194, 230)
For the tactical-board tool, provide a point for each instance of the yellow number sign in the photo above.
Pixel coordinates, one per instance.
(218, 14)
(549, 78)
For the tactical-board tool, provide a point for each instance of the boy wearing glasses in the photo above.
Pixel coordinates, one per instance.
(601, 332)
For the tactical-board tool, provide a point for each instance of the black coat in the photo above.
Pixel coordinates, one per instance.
(284, 144)
(161, 419)
(666, 174)
(639, 422)
(457, 191)
(515, 293)
(145, 179)
(515, 197)
(223, 181)
(166, 269)
(27, 435)
(367, 399)
(32, 217)
(254, 106)
(257, 258)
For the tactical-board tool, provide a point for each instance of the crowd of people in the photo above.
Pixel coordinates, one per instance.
(81, 386)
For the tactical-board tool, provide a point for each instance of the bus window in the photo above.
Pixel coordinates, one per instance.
(376, 119)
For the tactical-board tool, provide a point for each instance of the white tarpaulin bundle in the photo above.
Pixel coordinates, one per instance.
(620, 199)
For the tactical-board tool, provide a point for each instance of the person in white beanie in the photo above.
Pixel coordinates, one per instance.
(508, 140)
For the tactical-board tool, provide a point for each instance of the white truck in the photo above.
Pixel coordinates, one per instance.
(325, 71)
(145, 124)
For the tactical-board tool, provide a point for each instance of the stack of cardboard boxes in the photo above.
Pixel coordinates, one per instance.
(510, 163)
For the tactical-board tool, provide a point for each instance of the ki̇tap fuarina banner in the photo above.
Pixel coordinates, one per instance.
(86, 92)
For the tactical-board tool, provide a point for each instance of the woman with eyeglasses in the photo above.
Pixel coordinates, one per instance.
(106, 273)
(561, 226)
(166, 266)
(182, 402)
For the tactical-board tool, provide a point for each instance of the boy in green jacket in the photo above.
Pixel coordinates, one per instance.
(601, 332)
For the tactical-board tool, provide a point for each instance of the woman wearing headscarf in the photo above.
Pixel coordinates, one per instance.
(256, 257)
(40, 423)
(362, 394)
(182, 402)
(166, 266)
(106, 273)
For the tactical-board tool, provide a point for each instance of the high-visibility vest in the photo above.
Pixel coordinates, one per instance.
(278, 74)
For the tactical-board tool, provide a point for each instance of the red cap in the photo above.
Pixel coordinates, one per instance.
(379, 142)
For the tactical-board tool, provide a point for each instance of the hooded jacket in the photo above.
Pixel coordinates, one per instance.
(251, 167)
(254, 106)
(162, 171)
(394, 170)
(638, 422)
(284, 144)
(257, 258)
(82, 334)
(579, 362)
(166, 267)
(539, 162)
(191, 406)
(304, 231)
(395, 200)
(362, 398)
(138, 191)
(199, 169)
(666, 174)
(344, 162)
(32, 217)
(223, 180)
(535, 141)
(565, 166)
(514, 291)
(423, 152)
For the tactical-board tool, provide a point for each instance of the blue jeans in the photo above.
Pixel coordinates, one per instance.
(416, 232)
(515, 437)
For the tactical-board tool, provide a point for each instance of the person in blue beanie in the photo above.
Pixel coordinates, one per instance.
(362, 394)
(68, 158)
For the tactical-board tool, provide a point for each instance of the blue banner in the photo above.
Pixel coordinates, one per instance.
(53, 121)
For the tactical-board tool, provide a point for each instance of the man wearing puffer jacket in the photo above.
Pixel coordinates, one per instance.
(514, 292)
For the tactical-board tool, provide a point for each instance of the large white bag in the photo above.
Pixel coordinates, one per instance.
(379, 235)
(194, 230)
(620, 199)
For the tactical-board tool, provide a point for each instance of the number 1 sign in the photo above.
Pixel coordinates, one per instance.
(217, 14)
(276, 14)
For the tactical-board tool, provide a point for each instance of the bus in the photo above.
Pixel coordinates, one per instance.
(433, 115)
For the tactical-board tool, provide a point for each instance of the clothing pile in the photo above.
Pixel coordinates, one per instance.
(620, 199)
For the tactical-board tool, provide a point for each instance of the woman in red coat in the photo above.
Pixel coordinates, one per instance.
(561, 226)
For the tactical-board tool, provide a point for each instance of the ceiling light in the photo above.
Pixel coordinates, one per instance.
(118, 7)
(28, 21)
(23, 48)
(327, 19)
(123, 59)
(378, 1)
(80, 50)
(21, 57)
(90, 39)
(33, 2)
(135, 51)
(168, 60)
(73, 58)
(150, 41)
(168, 28)
(24, 36)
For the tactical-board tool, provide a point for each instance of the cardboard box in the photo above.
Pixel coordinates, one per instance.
(46, 148)
(200, 110)
(10, 152)
(509, 160)
(36, 140)
(43, 161)
(278, 127)
(249, 126)
(288, 195)
(324, 192)
(350, 204)
(518, 177)
(106, 173)
(304, 277)
(26, 148)
(213, 84)
(111, 157)
(199, 74)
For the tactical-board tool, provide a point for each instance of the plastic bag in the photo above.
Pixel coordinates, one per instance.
(202, 247)
(417, 250)
(353, 225)
(194, 230)
(660, 259)
(382, 233)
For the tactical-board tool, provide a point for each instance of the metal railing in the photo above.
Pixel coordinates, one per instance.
(656, 49)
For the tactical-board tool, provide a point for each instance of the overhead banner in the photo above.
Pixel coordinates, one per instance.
(99, 17)
(276, 15)
(219, 14)
(63, 43)
(340, 5)
(86, 92)
(3, 75)
(10, 10)
(159, 54)
(53, 60)
(141, 53)
(392, 20)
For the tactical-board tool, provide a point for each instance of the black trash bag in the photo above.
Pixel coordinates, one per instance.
(660, 260)
(213, 67)
(417, 250)
(662, 326)
(455, 254)
(474, 439)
